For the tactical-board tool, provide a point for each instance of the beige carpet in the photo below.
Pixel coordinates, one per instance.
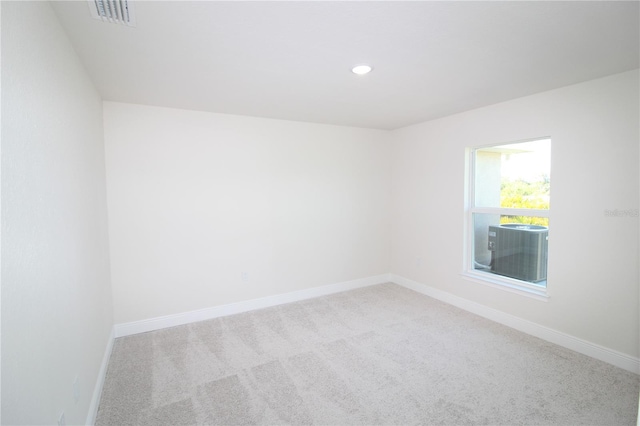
(377, 355)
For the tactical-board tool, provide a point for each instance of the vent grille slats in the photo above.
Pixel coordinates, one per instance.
(114, 11)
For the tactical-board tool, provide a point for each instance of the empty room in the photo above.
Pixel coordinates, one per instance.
(314, 212)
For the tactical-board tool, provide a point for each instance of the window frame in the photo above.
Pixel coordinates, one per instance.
(469, 272)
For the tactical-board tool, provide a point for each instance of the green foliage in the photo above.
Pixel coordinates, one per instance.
(521, 194)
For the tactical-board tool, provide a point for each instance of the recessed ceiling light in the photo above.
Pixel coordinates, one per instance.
(361, 69)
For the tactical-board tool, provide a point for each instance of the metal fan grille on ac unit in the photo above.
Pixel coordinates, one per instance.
(519, 251)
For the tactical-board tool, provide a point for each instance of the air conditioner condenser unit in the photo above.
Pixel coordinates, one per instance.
(519, 251)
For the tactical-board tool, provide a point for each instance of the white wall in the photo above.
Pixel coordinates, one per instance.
(593, 259)
(197, 198)
(56, 297)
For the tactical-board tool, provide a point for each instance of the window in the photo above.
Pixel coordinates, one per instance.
(507, 217)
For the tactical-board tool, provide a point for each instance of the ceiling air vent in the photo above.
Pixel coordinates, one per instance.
(114, 11)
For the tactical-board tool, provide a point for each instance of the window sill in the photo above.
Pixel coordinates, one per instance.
(508, 284)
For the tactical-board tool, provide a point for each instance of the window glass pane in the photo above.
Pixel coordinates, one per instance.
(514, 175)
(515, 248)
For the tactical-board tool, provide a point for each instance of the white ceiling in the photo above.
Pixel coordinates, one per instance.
(292, 60)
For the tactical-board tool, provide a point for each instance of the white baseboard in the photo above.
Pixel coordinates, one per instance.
(571, 342)
(158, 323)
(562, 339)
(97, 390)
